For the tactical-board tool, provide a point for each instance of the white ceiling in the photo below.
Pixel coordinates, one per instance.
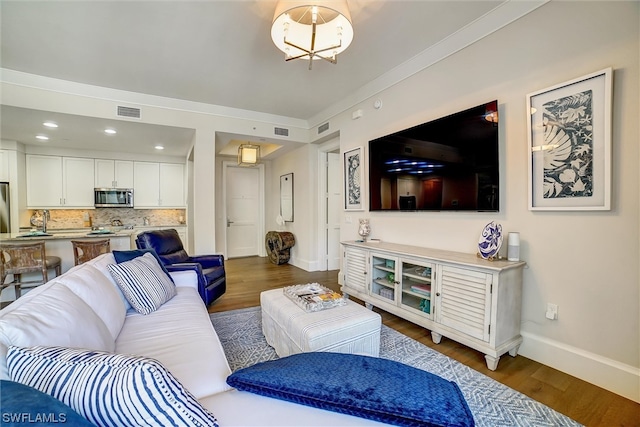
(215, 52)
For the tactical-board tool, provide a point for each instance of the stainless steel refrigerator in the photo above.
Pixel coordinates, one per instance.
(5, 212)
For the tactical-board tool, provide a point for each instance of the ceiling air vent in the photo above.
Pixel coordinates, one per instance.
(281, 131)
(130, 112)
(323, 128)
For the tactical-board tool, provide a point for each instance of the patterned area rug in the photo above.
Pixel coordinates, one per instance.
(493, 404)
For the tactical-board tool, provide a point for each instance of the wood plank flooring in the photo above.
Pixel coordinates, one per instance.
(582, 401)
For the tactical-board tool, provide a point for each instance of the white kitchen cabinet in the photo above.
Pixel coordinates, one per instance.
(4, 166)
(113, 173)
(76, 182)
(172, 185)
(158, 185)
(44, 181)
(146, 184)
(460, 296)
(59, 182)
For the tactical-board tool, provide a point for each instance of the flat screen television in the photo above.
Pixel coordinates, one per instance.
(448, 164)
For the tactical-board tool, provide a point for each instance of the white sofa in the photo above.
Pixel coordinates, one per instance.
(84, 308)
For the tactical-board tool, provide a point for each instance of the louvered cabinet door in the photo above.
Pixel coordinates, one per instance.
(464, 301)
(356, 270)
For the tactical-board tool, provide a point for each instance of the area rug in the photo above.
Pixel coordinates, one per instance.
(493, 404)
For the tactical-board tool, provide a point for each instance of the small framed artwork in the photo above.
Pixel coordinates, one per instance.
(353, 180)
(569, 151)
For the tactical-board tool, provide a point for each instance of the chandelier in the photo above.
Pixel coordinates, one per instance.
(312, 30)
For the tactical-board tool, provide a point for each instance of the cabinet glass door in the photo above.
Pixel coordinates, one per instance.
(416, 286)
(383, 277)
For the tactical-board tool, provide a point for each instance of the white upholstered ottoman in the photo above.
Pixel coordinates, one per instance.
(289, 329)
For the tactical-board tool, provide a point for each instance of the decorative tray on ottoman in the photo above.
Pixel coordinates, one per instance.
(313, 296)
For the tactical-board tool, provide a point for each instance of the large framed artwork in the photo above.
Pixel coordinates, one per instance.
(353, 180)
(569, 130)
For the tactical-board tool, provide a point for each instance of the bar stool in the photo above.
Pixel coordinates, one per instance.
(54, 262)
(20, 258)
(84, 250)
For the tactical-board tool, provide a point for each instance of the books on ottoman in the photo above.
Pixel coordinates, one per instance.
(313, 296)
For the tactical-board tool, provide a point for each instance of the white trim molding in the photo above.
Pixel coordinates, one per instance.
(609, 374)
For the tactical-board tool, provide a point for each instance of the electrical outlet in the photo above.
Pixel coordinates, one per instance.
(348, 220)
(552, 311)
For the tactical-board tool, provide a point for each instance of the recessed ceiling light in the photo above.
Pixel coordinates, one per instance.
(42, 137)
(50, 124)
(159, 147)
(110, 131)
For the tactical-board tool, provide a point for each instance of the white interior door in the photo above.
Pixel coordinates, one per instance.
(334, 209)
(243, 204)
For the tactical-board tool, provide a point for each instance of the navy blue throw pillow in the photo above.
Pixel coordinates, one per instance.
(123, 256)
(22, 405)
(363, 386)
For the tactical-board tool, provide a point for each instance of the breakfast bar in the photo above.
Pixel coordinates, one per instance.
(58, 243)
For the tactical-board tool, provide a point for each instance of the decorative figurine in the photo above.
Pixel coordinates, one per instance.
(364, 229)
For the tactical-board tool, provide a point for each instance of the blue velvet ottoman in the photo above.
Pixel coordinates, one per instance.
(363, 386)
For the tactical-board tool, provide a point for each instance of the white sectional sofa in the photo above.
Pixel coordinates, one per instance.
(84, 308)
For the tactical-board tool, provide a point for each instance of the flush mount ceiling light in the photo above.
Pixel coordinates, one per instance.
(159, 147)
(110, 131)
(42, 137)
(312, 29)
(248, 154)
(50, 125)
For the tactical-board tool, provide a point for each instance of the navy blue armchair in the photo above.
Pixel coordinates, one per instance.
(209, 268)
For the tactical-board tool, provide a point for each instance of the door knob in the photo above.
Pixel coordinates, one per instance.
(229, 223)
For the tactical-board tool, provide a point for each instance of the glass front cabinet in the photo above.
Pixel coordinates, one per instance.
(405, 282)
(455, 295)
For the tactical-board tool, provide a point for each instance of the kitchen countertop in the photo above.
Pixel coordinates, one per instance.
(59, 234)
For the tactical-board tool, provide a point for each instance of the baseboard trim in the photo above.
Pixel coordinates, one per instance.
(609, 374)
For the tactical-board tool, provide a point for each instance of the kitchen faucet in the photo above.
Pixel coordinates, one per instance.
(45, 217)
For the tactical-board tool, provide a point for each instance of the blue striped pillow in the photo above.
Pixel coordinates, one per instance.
(108, 389)
(143, 283)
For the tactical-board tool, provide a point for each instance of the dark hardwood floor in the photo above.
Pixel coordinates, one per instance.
(582, 401)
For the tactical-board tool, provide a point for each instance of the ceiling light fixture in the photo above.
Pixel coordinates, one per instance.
(159, 147)
(50, 125)
(42, 137)
(110, 131)
(248, 154)
(312, 29)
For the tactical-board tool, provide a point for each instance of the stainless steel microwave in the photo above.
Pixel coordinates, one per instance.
(113, 197)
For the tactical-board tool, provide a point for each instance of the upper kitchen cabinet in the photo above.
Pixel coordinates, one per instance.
(59, 182)
(114, 173)
(158, 185)
(4, 166)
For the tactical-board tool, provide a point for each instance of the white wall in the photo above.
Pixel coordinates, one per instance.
(303, 163)
(586, 262)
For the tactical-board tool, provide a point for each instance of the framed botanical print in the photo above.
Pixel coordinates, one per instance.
(570, 144)
(353, 180)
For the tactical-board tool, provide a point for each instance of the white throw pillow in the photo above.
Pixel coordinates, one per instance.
(143, 283)
(97, 291)
(107, 388)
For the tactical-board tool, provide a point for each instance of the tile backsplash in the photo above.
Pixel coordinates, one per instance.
(75, 218)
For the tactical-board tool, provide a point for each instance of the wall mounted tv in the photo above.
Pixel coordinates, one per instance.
(448, 164)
